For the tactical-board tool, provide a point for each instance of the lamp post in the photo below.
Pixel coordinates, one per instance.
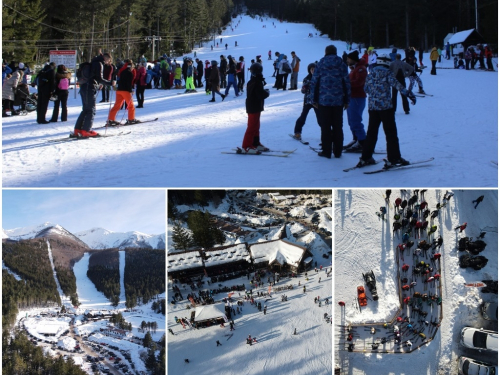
(153, 38)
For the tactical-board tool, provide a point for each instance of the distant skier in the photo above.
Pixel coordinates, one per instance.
(218, 343)
(437, 243)
(341, 303)
(186, 360)
(448, 195)
(461, 227)
(383, 211)
(388, 194)
(478, 200)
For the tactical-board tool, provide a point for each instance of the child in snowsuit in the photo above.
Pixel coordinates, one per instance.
(189, 77)
(256, 94)
(177, 77)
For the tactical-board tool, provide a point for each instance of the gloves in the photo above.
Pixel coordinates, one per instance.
(412, 97)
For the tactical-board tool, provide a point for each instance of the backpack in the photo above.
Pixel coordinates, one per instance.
(83, 73)
(286, 68)
(63, 84)
(149, 77)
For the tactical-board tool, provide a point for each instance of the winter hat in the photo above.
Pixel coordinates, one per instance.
(354, 56)
(21, 65)
(383, 59)
(330, 50)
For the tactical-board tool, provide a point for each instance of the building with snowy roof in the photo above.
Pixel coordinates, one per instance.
(225, 259)
(278, 254)
(185, 264)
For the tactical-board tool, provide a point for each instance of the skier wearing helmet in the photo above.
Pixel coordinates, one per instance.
(378, 87)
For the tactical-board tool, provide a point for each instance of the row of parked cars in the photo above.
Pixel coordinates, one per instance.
(481, 340)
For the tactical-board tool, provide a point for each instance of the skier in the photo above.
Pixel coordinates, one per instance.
(357, 104)
(448, 195)
(306, 106)
(378, 87)
(265, 310)
(218, 343)
(478, 200)
(388, 194)
(397, 202)
(461, 227)
(256, 94)
(341, 303)
(437, 243)
(383, 211)
(124, 94)
(231, 77)
(295, 331)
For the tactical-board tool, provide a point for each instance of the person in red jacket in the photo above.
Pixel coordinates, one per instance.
(357, 76)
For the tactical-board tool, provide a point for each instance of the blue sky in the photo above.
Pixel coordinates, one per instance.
(77, 210)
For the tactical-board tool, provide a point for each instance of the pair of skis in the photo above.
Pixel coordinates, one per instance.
(279, 154)
(125, 124)
(385, 169)
(72, 137)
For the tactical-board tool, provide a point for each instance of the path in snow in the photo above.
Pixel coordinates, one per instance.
(16, 276)
(122, 277)
(88, 295)
(59, 289)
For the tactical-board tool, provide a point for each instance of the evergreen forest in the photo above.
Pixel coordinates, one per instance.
(144, 275)
(128, 29)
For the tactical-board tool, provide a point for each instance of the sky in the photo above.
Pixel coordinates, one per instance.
(77, 210)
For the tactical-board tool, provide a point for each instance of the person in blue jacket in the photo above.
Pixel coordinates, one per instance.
(330, 92)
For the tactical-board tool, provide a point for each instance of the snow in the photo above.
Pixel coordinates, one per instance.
(279, 250)
(277, 350)
(460, 36)
(26, 232)
(183, 148)
(100, 238)
(16, 276)
(39, 326)
(59, 289)
(363, 243)
(226, 255)
(209, 312)
(122, 276)
(191, 259)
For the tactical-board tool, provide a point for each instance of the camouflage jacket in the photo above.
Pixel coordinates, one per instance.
(330, 84)
(378, 87)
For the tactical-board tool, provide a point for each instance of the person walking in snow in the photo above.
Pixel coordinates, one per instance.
(284, 70)
(461, 227)
(478, 200)
(330, 92)
(295, 65)
(413, 76)
(215, 81)
(256, 94)
(434, 58)
(378, 87)
(231, 76)
(218, 343)
(306, 107)
(357, 103)
(401, 70)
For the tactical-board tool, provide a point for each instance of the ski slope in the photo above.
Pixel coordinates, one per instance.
(363, 242)
(457, 126)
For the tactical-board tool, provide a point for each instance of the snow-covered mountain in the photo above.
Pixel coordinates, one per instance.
(100, 238)
(95, 238)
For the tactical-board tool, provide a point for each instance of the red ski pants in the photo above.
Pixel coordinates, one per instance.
(253, 130)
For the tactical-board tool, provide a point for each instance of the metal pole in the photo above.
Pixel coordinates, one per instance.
(154, 42)
(477, 20)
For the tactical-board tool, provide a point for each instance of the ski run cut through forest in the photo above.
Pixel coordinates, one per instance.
(187, 146)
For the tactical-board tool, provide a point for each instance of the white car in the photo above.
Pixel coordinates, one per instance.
(469, 366)
(479, 339)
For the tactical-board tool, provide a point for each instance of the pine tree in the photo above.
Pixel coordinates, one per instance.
(181, 238)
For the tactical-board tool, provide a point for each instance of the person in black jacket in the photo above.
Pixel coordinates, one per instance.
(88, 92)
(256, 94)
(46, 87)
(199, 76)
(223, 71)
(124, 94)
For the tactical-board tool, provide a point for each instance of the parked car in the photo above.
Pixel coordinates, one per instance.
(475, 338)
(489, 310)
(469, 366)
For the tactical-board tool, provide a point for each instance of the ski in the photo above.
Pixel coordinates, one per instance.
(259, 154)
(125, 124)
(412, 164)
(300, 140)
(278, 151)
(231, 335)
(73, 138)
(380, 152)
(356, 167)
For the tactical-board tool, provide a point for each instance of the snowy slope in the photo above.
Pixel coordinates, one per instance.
(100, 238)
(363, 242)
(25, 233)
(183, 148)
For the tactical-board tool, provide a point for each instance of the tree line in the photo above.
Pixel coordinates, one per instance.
(31, 28)
(107, 281)
(21, 357)
(382, 23)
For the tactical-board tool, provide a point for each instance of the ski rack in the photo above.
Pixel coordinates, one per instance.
(432, 330)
